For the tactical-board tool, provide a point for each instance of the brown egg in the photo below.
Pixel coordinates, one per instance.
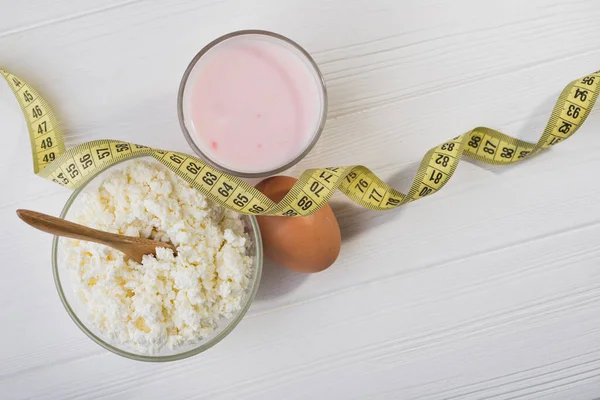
(302, 244)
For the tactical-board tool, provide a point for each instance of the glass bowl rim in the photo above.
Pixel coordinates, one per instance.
(255, 283)
(320, 82)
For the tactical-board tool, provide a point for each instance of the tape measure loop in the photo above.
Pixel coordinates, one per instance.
(315, 187)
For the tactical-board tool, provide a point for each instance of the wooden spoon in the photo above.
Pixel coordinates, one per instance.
(133, 247)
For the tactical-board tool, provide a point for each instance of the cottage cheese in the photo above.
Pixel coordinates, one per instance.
(168, 300)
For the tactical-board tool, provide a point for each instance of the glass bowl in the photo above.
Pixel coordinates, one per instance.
(183, 110)
(77, 311)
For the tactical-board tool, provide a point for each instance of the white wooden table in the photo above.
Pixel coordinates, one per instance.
(489, 289)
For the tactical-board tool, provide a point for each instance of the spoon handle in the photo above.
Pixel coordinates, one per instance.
(61, 227)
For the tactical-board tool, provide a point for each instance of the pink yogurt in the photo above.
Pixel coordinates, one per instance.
(253, 103)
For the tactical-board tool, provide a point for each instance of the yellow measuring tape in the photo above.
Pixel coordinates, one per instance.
(315, 187)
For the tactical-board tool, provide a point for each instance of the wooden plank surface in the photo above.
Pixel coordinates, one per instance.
(489, 289)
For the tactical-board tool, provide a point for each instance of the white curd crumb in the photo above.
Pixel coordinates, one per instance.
(168, 300)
